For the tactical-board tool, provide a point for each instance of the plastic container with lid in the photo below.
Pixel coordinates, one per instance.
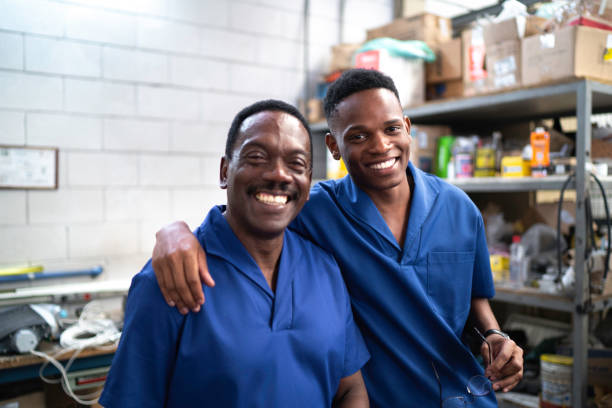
(463, 156)
(540, 152)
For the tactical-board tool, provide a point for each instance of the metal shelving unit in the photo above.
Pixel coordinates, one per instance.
(577, 97)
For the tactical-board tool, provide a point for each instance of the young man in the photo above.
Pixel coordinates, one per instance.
(411, 249)
(277, 330)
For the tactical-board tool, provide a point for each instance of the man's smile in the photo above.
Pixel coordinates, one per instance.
(272, 199)
(383, 165)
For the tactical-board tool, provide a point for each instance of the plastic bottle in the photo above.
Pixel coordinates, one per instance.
(540, 145)
(463, 155)
(518, 263)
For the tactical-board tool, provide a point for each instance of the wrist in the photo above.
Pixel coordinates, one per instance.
(496, 332)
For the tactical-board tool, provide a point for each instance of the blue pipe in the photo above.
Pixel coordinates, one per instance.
(93, 272)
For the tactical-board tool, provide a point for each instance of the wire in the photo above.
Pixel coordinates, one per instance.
(91, 330)
(563, 188)
(589, 227)
(607, 209)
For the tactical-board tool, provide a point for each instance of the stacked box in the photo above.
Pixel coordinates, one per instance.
(570, 52)
(425, 27)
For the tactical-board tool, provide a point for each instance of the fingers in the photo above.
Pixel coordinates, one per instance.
(203, 269)
(506, 369)
(180, 292)
(508, 383)
(192, 280)
(484, 352)
(162, 274)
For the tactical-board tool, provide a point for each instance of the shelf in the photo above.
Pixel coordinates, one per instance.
(507, 184)
(533, 297)
(559, 99)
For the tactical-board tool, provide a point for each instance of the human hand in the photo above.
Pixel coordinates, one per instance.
(506, 370)
(180, 266)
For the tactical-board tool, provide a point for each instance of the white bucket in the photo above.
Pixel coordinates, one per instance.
(556, 375)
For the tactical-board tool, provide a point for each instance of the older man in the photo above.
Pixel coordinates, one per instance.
(277, 329)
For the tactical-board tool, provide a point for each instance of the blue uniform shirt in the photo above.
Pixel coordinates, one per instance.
(410, 303)
(249, 346)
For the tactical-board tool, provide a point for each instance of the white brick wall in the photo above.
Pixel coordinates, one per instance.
(135, 135)
(62, 57)
(13, 204)
(99, 97)
(12, 128)
(137, 96)
(64, 131)
(25, 91)
(11, 51)
(130, 65)
(65, 206)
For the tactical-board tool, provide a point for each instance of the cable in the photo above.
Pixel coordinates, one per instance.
(92, 329)
(589, 227)
(607, 209)
(559, 264)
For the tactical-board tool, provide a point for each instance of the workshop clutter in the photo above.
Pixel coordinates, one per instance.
(562, 40)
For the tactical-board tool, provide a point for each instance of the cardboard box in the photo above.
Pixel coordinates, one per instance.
(503, 61)
(447, 66)
(408, 74)
(513, 29)
(474, 58)
(444, 90)
(424, 145)
(342, 56)
(425, 27)
(574, 51)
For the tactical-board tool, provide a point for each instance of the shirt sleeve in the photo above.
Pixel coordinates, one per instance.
(482, 279)
(143, 364)
(356, 353)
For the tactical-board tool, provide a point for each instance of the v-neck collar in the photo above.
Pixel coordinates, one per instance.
(359, 205)
(217, 238)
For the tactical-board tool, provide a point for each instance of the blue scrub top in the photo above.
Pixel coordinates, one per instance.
(249, 346)
(410, 303)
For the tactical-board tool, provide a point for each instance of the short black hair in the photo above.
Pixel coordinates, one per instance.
(353, 81)
(262, 106)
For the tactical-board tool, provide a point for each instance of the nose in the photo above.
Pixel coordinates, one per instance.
(277, 172)
(379, 143)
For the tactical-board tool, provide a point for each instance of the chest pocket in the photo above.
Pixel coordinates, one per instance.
(449, 285)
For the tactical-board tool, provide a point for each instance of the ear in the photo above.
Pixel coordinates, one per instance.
(408, 124)
(332, 146)
(223, 173)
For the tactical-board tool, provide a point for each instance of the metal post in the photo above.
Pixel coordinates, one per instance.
(581, 316)
(306, 52)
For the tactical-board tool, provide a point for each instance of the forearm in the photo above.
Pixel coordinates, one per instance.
(483, 315)
(352, 393)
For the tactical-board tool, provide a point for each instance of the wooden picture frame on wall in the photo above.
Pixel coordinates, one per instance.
(28, 167)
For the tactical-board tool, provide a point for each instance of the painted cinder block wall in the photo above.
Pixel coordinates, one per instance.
(138, 95)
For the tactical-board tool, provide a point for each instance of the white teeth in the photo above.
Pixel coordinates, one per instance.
(271, 198)
(383, 165)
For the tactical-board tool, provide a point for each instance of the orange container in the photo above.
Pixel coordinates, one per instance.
(540, 156)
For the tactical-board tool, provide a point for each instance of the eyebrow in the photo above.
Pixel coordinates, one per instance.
(362, 127)
(262, 146)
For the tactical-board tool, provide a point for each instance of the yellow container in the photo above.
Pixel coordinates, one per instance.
(515, 166)
(500, 266)
(485, 162)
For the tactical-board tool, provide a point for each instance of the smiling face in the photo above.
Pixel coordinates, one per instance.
(268, 174)
(371, 134)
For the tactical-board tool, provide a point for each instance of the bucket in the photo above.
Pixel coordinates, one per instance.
(556, 375)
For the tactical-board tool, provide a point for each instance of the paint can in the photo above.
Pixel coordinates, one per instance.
(556, 375)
